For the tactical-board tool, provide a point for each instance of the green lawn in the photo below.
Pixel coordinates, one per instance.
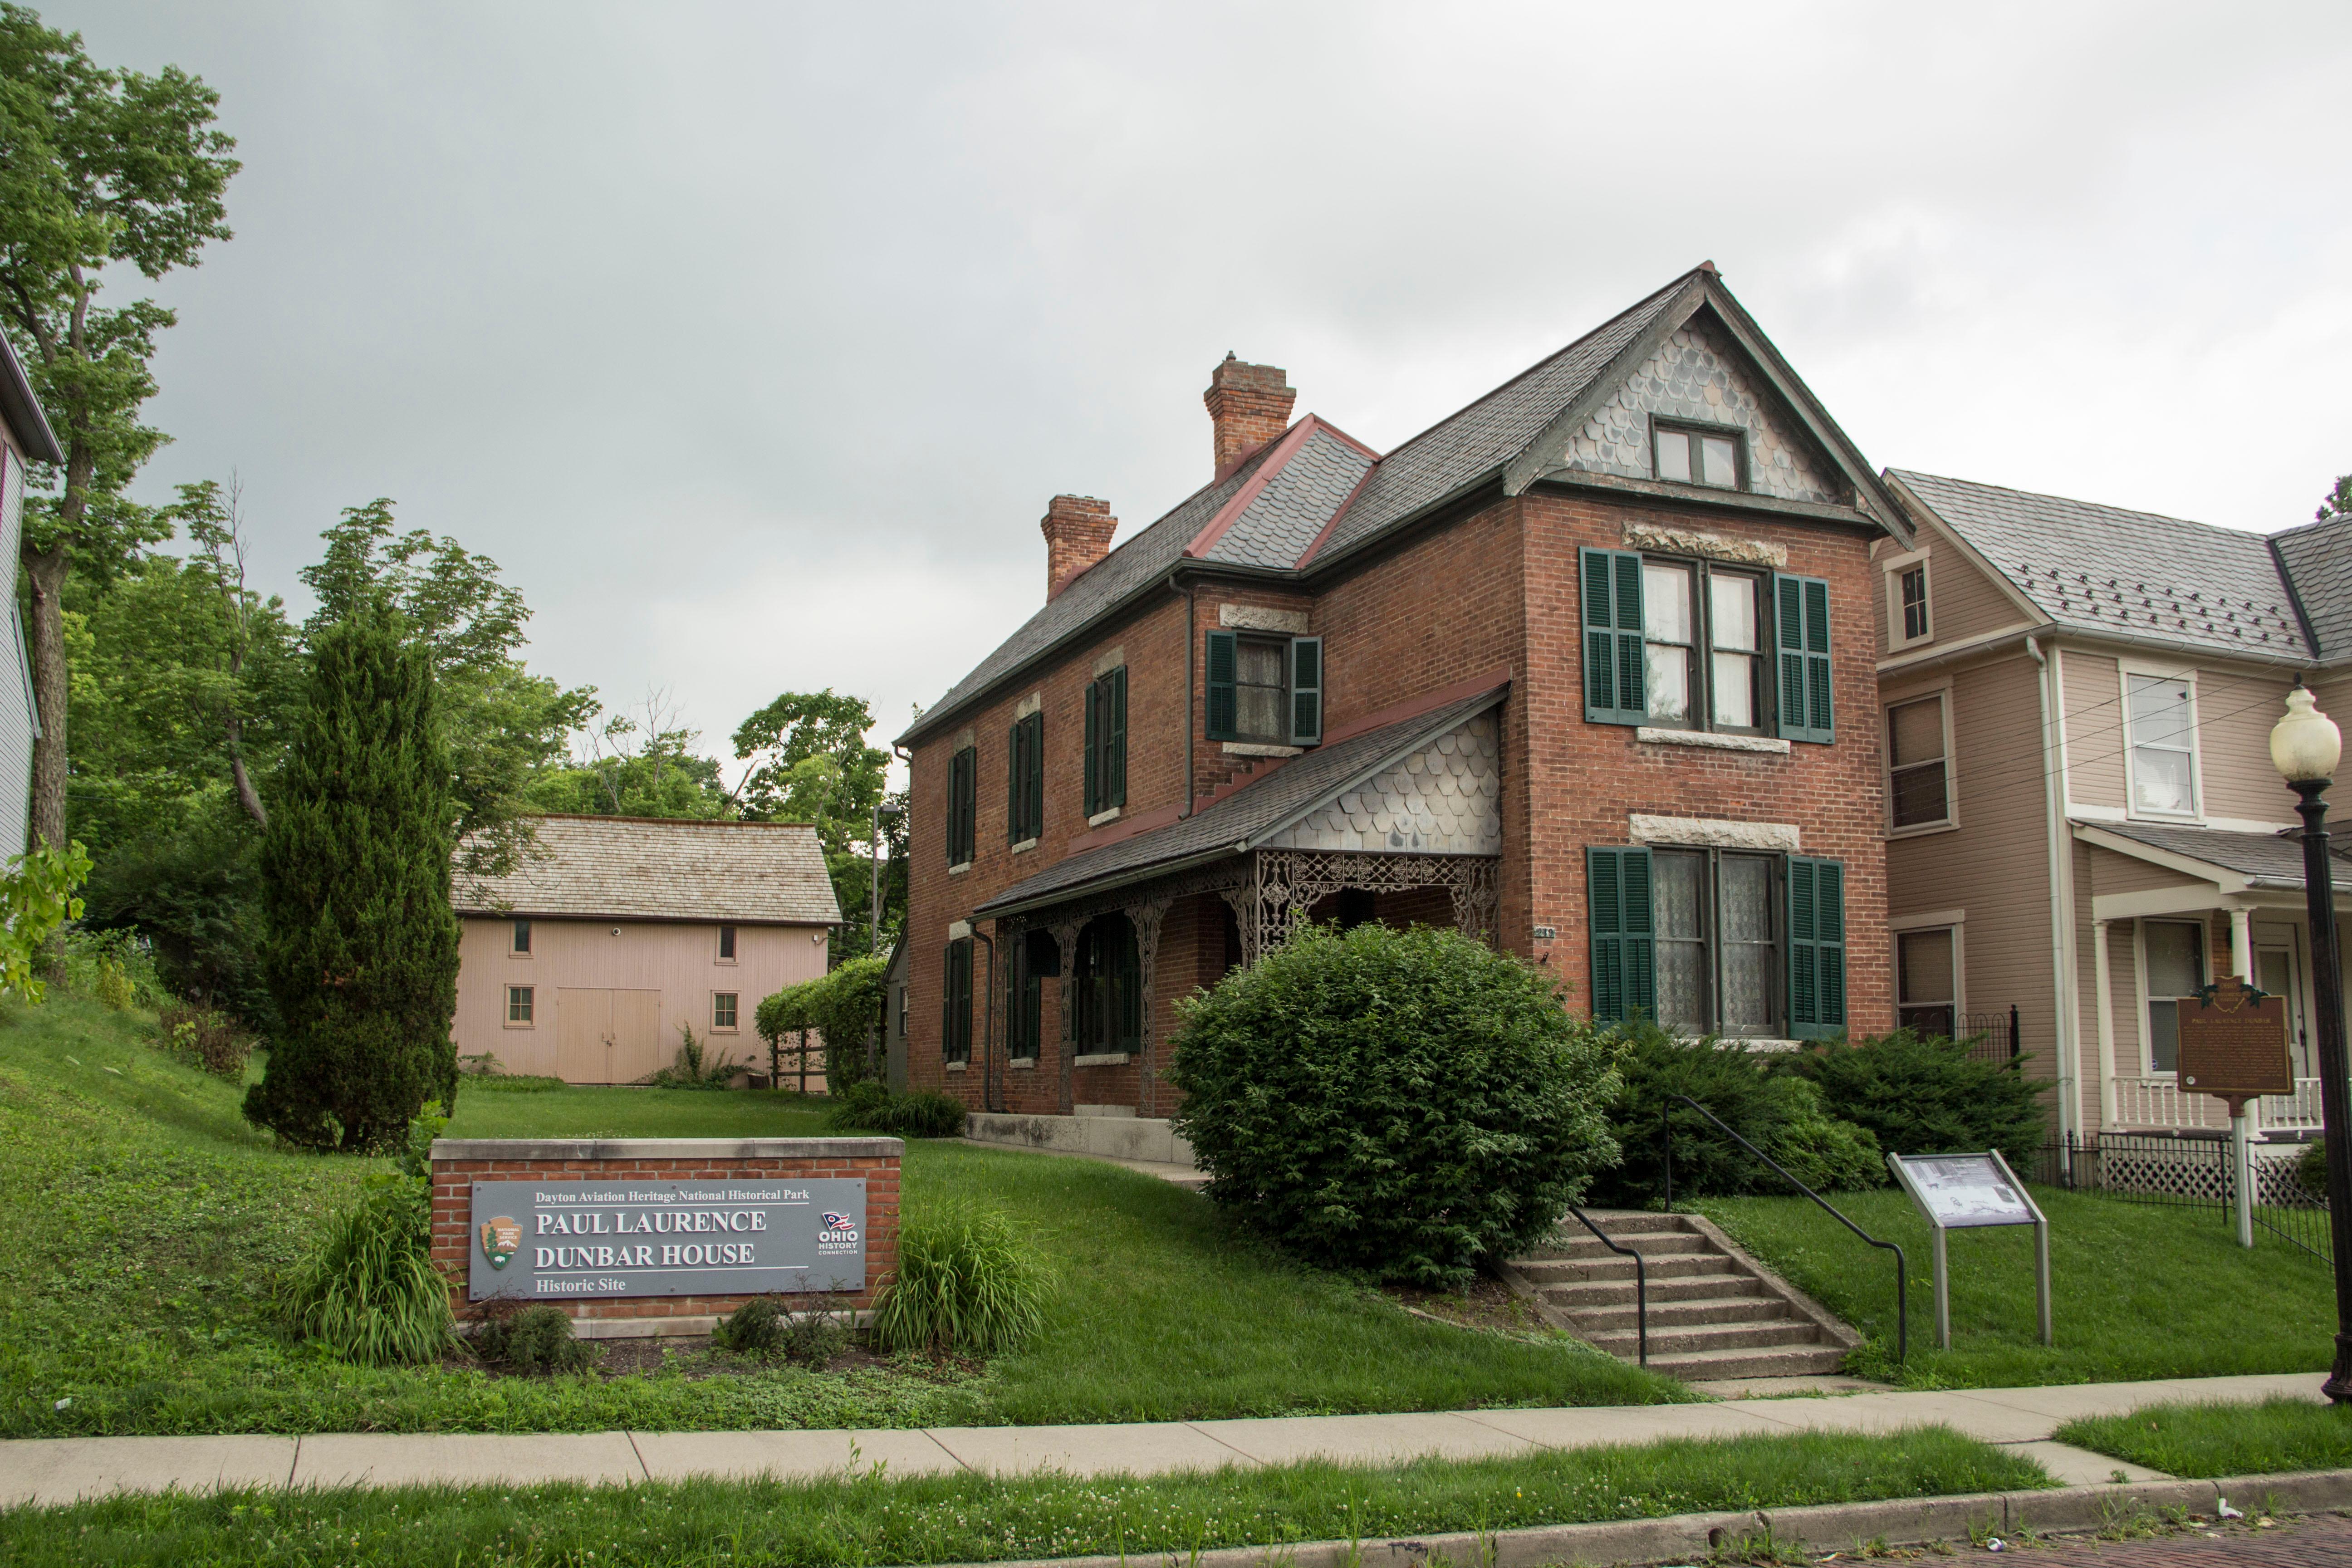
(2138, 1291)
(2202, 1441)
(143, 1224)
(968, 1518)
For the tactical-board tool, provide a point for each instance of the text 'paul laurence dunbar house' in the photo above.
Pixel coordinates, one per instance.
(1587, 667)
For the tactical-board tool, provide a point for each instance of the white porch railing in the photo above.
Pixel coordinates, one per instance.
(2159, 1102)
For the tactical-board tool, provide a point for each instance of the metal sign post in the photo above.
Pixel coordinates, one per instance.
(1965, 1191)
(2233, 1047)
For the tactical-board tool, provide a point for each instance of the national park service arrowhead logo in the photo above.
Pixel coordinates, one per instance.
(501, 1239)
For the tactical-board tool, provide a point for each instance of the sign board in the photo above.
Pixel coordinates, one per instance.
(1970, 1191)
(1958, 1191)
(539, 1241)
(2233, 1043)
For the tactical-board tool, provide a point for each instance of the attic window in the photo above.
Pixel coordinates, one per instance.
(1699, 455)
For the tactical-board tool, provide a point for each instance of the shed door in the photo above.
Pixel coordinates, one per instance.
(637, 1043)
(583, 1034)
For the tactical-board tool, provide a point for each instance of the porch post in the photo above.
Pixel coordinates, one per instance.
(1065, 937)
(2106, 993)
(2241, 943)
(1147, 917)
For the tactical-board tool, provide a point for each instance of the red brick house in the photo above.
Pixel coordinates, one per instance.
(1587, 666)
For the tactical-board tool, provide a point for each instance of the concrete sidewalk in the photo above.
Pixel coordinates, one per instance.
(60, 1470)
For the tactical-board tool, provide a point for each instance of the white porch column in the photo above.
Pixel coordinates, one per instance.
(2105, 986)
(2241, 943)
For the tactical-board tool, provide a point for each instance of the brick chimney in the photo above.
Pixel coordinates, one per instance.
(1249, 405)
(1078, 532)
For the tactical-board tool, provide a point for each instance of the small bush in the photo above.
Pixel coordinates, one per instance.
(1780, 1113)
(205, 1037)
(369, 1290)
(966, 1282)
(513, 1083)
(696, 1068)
(115, 968)
(768, 1328)
(535, 1337)
(844, 1006)
(2311, 1169)
(1926, 1095)
(868, 1107)
(1409, 1103)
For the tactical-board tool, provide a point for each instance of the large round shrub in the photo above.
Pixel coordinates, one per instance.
(1405, 1103)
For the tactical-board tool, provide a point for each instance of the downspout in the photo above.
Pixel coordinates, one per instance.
(1191, 636)
(990, 1095)
(2066, 1025)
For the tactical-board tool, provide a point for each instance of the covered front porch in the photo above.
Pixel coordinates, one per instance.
(2171, 910)
(1085, 963)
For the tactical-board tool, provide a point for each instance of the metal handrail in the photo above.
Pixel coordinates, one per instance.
(1902, 1268)
(1641, 1280)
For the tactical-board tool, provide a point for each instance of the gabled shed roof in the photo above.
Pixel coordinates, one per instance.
(659, 869)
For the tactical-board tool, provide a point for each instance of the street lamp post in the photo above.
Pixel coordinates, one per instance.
(2305, 746)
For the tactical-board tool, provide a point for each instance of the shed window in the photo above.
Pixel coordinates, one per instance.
(518, 1005)
(722, 1009)
(522, 938)
(726, 944)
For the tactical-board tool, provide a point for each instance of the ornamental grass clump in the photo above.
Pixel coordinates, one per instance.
(1408, 1104)
(369, 1290)
(967, 1283)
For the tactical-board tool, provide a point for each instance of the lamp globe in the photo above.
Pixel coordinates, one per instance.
(2306, 744)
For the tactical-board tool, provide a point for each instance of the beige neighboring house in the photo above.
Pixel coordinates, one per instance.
(585, 964)
(2083, 818)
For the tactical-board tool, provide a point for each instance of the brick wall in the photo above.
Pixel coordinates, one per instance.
(667, 1161)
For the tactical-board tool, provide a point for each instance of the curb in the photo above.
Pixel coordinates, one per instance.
(1691, 1537)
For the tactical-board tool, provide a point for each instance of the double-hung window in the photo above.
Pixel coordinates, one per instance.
(2174, 955)
(963, 802)
(1718, 942)
(1906, 600)
(1928, 981)
(1918, 780)
(1024, 794)
(1265, 690)
(1677, 644)
(1036, 959)
(2160, 733)
(955, 998)
(1109, 1011)
(1107, 741)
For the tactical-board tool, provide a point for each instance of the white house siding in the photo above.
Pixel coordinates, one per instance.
(18, 724)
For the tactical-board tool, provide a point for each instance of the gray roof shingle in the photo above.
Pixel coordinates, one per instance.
(2104, 569)
(2267, 859)
(2318, 561)
(1248, 813)
(1284, 519)
(634, 868)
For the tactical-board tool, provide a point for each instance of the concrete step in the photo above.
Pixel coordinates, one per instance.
(1677, 1288)
(1749, 1308)
(1617, 1222)
(1648, 1243)
(1702, 1367)
(1570, 1270)
(1703, 1337)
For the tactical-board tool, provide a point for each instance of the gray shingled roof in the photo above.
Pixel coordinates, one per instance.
(2104, 569)
(1148, 554)
(2267, 859)
(2318, 561)
(1283, 519)
(1250, 814)
(1480, 438)
(634, 867)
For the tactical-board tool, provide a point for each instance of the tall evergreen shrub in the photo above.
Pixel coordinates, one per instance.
(361, 952)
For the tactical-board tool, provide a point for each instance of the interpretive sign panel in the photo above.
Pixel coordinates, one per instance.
(2233, 1043)
(569, 1239)
(1962, 1190)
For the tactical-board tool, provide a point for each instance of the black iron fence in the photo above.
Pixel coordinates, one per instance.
(2188, 1172)
(1991, 1037)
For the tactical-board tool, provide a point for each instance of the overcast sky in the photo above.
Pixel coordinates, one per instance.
(751, 339)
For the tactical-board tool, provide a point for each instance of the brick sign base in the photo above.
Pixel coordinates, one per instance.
(460, 1163)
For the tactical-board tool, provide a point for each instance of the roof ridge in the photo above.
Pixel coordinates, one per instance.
(666, 821)
(1908, 474)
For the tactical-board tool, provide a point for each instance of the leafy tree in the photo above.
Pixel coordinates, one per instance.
(810, 763)
(2338, 500)
(362, 954)
(501, 725)
(630, 767)
(100, 169)
(194, 891)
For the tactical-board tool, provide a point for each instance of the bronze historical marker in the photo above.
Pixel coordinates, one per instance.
(2233, 1044)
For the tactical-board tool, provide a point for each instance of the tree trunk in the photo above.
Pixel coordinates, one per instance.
(247, 796)
(47, 569)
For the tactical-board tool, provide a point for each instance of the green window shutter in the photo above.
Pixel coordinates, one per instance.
(1016, 740)
(1115, 741)
(1094, 748)
(1816, 948)
(962, 770)
(1624, 977)
(1614, 692)
(1306, 691)
(1801, 639)
(1036, 775)
(1224, 668)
